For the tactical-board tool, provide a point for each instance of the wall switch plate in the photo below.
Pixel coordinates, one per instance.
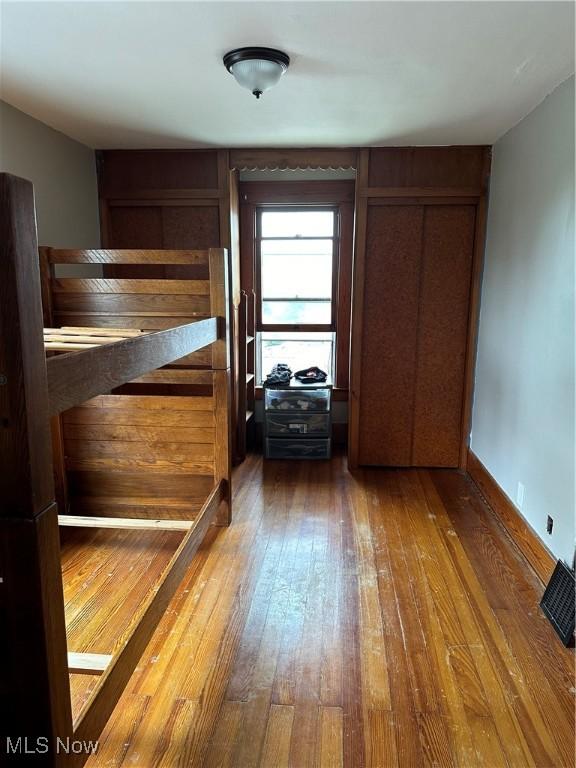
(520, 495)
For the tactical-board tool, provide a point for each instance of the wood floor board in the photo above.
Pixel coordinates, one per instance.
(375, 620)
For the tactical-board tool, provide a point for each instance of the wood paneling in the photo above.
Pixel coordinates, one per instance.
(134, 227)
(418, 257)
(263, 658)
(173, 199)
(427, 167)
(390, 334)
(190, 226)
(133, 171)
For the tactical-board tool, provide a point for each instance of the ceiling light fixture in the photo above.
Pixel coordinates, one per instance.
(257, 69)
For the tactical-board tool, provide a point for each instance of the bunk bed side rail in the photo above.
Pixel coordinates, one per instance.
(109, 688)
(73, 380)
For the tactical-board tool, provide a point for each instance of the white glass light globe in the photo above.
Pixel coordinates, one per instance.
(257, 75)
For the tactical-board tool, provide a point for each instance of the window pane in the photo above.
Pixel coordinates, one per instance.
(296, 269)
(298, 224)
(298, 350)
(296, 312)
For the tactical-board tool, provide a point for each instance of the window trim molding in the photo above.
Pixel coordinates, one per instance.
(338, 194)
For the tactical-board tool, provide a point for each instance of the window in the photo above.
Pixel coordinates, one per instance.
(297, 280)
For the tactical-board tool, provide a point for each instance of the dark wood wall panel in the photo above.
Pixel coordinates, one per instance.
(137, 171)
(136, 226)
(173, 199)
(443, 325)
(432, 167)
(190, 226)
(393, 247)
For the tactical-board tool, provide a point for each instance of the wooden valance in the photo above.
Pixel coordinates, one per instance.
(292, 159)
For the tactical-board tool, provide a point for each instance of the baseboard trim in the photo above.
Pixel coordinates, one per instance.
(530, 545)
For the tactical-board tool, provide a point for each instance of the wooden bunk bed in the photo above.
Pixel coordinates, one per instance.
(136, 445)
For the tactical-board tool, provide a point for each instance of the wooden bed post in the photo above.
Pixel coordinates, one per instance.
(35, 694)
(221, 357)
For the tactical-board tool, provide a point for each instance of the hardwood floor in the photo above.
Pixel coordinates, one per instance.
(381, 619)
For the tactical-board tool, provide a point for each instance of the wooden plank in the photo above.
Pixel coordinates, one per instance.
(276, 747)
(533, 549)
(146, 434)
(71, 382)
(90, 339)
(471, 192)
(134, 487)
(220, 307)
(152, 402)
(223, 441)
(103, 699)
(131, 325)
(74, 346)
(26, 483)
(173, 376)
(153, 451)
(134, 416)
(88, 663)
(126, 304)
(77, 521)
(92, 331)
(99, 285)
(162, 466)
(126, 256)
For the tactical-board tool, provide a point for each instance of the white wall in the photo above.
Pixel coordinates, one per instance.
(64, 176)
(523, 420)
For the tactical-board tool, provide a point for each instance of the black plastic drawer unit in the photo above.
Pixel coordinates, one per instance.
(297, 421)
(313, 424)
(283, 448)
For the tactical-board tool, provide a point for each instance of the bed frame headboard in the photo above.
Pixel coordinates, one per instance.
(156, 448)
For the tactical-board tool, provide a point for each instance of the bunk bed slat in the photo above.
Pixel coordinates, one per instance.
(71, 382)
(134, 523)
(88, 663)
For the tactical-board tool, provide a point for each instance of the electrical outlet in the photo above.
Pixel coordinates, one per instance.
(520, 495)
(549, 524)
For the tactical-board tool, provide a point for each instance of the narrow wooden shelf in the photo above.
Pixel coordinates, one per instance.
(249, 377)
(249, 415)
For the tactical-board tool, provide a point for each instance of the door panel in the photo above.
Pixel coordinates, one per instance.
(416, 296)
(442, 332)
(393, 249)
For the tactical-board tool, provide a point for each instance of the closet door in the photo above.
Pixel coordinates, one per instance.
(415, 322)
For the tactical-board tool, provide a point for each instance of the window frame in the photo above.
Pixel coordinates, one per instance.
(334, 194)
(300, 327)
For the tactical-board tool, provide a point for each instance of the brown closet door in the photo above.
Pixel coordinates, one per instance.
(389, 333)
(417, 281)
(442, 332)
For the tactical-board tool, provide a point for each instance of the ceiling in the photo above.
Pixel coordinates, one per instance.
(150, 74)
